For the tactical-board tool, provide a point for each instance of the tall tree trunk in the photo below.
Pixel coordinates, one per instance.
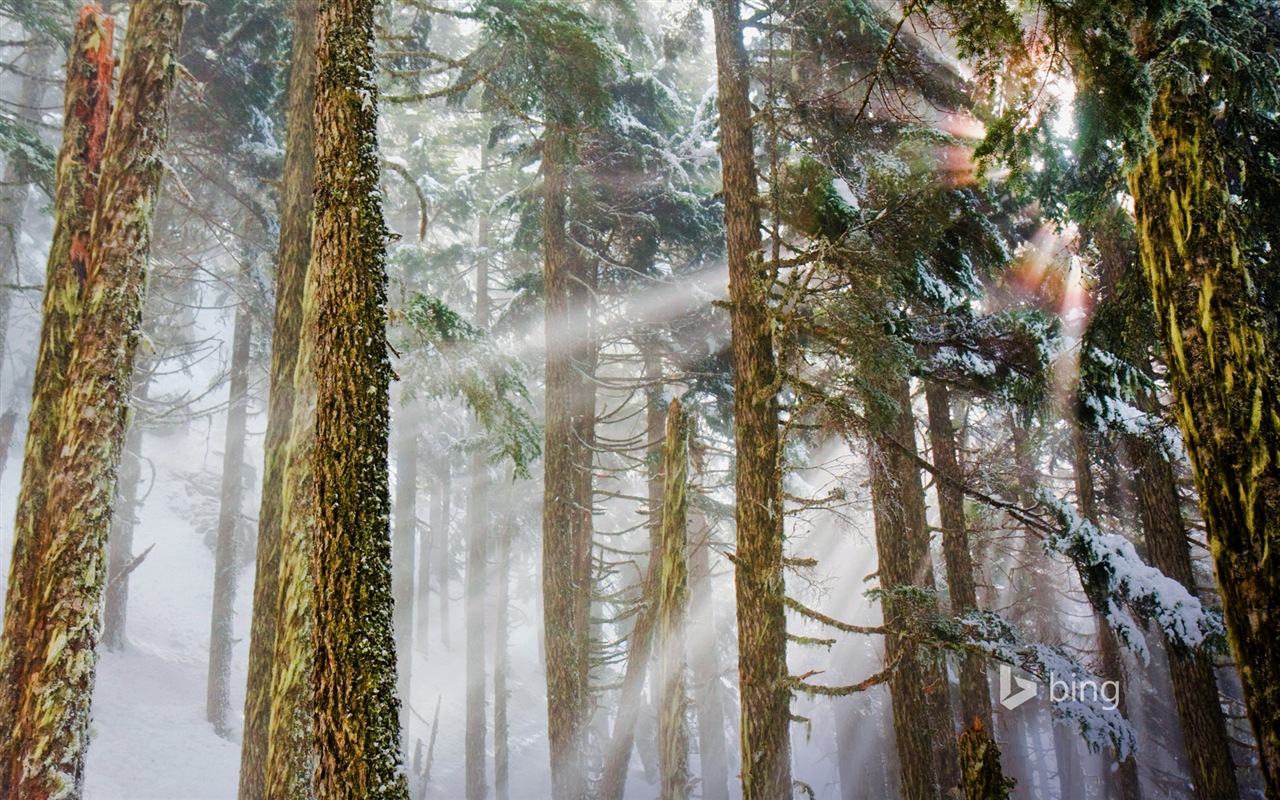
(292, 256)
(924, 727)
(565, 560)
(123, 519)
(673, 609)
(975, 693)
(44, 755)
(218, 701)
(87, 112)
(705, 671)
(1195, 688)
(14, 188)
(979, 754)
(761, 589)
(477, 550)
(1223, 373)
(402, 555)
(501, 649)
(441, 522)
(344, 353)
(422, 589)
(1123, 780)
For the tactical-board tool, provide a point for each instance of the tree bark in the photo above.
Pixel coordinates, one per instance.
(90, 69)
(344, 353)
(1195, 688)
(762, 623)
(218, 701)
(1223, 375)
(982, 778)
(292, 256)
(566, 557)
(975, 692)
(673, 609)
(123, 519)
(44, 754)
(924, 728)
(344, 335)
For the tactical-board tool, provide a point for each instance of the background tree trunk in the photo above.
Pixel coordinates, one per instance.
(402, 555)
(565, 567)
(292, 256)
(924, 727)
(705, 670)
(501, 649)
(1123, 780)
(1195, 688)
(762, 622)
(477, 549)
(44, 755)
(441, 522)
(15, 189)
(218, 701)
(123, 519)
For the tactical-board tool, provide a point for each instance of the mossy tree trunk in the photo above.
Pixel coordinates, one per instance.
(345, 347)
(226, 558)
(1195, 688)
(1223, 373)
(87, 111)
(44, 753)
(762, 623)
(673, 608)
(292, 256)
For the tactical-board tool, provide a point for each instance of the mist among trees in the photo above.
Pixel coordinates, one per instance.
(640, 398)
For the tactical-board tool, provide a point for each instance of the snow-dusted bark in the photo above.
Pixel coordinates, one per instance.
(44, 753)
(90, 69)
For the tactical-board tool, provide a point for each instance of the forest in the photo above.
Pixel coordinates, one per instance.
(604, 399)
